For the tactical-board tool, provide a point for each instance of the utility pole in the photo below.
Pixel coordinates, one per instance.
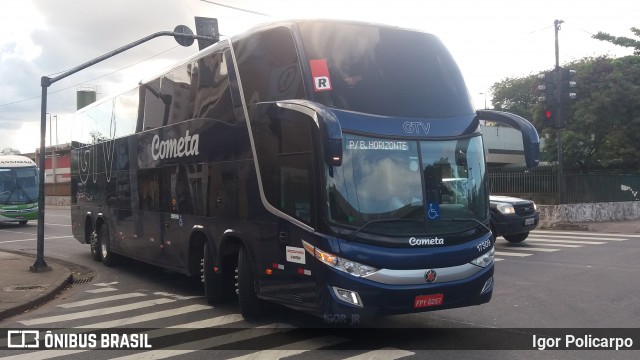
(561, 200)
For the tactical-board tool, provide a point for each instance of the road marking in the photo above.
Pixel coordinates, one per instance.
(47, 238)
(581, 233)
(527, 248)
(293, 348)
(147, 317)
(176, 296)
(533, 242)
(49, 354)
(57, 225)
(507, 253)
(105, 284)
(217, 321)
(100, 300)
(386, 353)
(16, 232)
(193, 346)
(43, 355)
(96, 312)
(101, 290)
(570, 241)
(576, 237)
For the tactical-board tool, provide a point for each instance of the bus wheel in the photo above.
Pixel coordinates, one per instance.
(251, 306)
(108, 258)
(214, 290)
(95, 247)
(22, 222)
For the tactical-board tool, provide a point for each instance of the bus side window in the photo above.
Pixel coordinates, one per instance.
(284, 147)
(154, 108)
(176, 88)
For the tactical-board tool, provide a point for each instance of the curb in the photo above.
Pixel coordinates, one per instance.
(47, 295)
(38, 301)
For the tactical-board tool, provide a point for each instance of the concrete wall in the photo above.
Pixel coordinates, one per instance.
(589, 212)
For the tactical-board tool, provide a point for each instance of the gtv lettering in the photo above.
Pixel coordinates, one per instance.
(175, 148)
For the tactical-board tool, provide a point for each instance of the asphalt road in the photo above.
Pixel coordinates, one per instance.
(556, 283)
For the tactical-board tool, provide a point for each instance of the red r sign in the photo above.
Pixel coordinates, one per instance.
(320, 74)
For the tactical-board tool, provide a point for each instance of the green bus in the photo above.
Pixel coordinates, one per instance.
(18, 189)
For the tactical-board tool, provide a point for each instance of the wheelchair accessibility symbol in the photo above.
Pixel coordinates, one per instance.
(433, 211)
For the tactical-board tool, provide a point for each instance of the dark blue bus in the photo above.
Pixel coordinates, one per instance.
(332, 167)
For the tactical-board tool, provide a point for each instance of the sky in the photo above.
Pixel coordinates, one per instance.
(491, 40)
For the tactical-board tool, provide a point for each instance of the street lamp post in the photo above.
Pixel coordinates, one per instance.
(183, 35)
(485, 99)
(56, 116)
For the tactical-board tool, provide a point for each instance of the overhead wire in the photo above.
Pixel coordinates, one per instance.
(113, 72)
(96, 78)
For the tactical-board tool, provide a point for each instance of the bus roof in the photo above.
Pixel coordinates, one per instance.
(12, 161)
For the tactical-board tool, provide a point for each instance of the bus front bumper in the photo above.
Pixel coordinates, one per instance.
(346, 296)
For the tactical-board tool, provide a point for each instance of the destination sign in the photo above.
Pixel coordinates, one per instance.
(377, 145)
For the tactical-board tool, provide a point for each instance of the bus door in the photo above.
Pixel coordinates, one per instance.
(285, 155)
(292, 279)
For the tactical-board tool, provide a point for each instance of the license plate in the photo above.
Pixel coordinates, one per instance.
(422, 301)
(529, 221)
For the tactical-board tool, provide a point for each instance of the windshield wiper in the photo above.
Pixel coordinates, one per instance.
(355, 232)
(470, 219)
(19, 187)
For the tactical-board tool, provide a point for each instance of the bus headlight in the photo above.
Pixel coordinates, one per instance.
(350, 267)
(485, 259)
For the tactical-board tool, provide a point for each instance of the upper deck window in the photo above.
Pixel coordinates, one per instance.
(269, 67)
(385, 71)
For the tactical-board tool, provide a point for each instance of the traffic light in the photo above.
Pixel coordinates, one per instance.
(547, 96)
(549, 115)
(567, 93)
(548, 88)
(557, 90)
(567, 85)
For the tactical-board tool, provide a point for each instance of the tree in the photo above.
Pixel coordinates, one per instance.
(515, 95)
(603, 125)
(603, 129)
(622, 40)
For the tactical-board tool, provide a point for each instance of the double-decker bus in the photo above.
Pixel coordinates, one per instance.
(302, 163)
(18, 189)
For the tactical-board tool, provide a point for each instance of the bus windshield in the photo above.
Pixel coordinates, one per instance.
(18, 185)
(432, 186)
(384, 71)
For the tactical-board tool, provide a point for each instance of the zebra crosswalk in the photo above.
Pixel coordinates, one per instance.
(546, 241)
(183, 317)
(179, 325)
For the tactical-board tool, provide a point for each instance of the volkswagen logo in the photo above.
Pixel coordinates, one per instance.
(430, 276)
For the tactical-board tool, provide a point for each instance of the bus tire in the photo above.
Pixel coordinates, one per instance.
(95, 247)
(251, 306)
(22, 222)
(108, 257)
(213, 283)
